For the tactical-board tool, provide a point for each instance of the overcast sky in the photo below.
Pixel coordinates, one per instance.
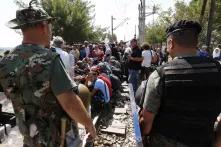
(104, 9)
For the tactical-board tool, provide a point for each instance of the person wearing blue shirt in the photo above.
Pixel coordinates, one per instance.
(203, 51)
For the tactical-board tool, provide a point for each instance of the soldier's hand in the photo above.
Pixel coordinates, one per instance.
(92, 132)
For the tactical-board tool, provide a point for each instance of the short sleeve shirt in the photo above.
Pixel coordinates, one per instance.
(135, 65)
(64, 57)
(60, 79)
(102, 86)
(153, 93)
(146, 54)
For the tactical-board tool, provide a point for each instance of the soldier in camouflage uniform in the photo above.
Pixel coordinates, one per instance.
(182, 98)
(34, 79)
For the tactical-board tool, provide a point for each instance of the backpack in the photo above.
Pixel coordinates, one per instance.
(107, 81)
(115, 81)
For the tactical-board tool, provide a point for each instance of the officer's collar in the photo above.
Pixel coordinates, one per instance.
(185, 55)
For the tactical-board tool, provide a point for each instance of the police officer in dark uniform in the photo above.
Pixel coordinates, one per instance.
(182, 98)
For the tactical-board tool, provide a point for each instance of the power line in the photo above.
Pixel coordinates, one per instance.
(142, 16)
(121, 23)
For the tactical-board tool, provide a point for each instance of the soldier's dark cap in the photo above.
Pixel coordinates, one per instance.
(183, 25)
(28, 16)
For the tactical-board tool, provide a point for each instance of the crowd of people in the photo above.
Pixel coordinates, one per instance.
(53, 86)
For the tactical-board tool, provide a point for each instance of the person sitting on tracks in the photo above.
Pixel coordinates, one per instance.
(98, 53)
(182, 99)
(100, 91)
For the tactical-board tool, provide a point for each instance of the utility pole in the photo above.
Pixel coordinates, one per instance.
(202, 11)
(112, 28)
(142, 16)
(139, 20)
(144, 19)
(154, 11)
(210, 23)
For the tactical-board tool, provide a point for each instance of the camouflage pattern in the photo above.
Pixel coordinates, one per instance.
(25, 76)
(158, 140)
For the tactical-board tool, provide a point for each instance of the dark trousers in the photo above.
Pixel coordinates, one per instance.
(145, 72)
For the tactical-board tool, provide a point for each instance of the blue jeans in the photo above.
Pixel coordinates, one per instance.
(133, 78)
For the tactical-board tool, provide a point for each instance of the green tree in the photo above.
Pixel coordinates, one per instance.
(186, 11)
(74, 19)
(189, 11)
(193, 11)
(155, 33)
(99, 34)
(216, 35)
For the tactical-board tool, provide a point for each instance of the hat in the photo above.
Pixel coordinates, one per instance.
(204, 47)
(30, 15)
(86, 42)
(57, 40)
(184, 25)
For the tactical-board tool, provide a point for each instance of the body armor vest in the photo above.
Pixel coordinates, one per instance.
(191, 100)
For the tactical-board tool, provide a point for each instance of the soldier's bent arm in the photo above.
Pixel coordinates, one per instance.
(152, 101)
(72, 104)
(148, 121)
(62, 86)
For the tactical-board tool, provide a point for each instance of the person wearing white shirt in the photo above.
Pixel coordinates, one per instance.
(217, 53)
(87, 49)
(146, 63)
(72, 63)
(57, 44)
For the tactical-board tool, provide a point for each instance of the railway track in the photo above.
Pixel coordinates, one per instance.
(117, 128)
